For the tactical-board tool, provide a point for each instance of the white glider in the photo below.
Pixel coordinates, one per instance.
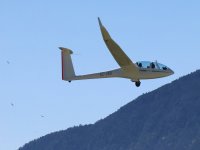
(134, 71)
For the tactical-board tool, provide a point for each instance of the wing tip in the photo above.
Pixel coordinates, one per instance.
(100, 24)
(104, 32)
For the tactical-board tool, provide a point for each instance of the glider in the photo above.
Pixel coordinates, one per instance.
(135, 71)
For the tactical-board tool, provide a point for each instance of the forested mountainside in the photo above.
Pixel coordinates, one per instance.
(165, 119)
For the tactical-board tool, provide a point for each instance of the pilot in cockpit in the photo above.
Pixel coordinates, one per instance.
(152, 65)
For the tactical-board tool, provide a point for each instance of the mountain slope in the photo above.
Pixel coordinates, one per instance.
(167, 118)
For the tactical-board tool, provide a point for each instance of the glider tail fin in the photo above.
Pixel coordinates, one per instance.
(67, 65)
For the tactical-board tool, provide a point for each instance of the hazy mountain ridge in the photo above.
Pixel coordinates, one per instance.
(166, 118)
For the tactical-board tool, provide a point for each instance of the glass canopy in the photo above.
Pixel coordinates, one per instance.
(152, 65)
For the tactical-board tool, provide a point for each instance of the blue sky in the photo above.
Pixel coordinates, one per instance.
(32, 31)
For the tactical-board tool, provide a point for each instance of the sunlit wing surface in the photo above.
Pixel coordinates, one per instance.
(121, 58)
(119, 55)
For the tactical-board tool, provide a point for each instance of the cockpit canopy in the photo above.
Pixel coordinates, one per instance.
(152, 65)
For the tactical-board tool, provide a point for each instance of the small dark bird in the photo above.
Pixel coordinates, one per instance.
(42, 116)
(12, 104)
(7, 62)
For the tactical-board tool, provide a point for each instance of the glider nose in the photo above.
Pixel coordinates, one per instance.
(171, 71)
